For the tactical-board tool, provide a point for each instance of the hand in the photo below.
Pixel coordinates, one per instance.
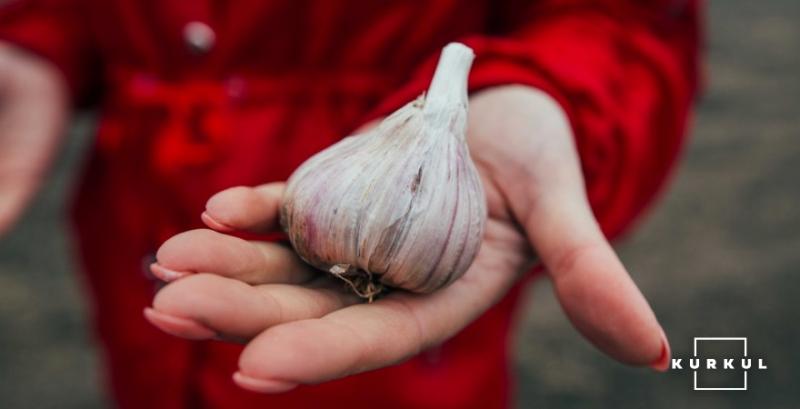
(33, 109)
(301, 328)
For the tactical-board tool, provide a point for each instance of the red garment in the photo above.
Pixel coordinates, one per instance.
(283, 80)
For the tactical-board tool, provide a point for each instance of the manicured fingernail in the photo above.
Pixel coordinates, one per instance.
(166, 274)
(262, 385)
(662, 363)
(215, 224)
(178, 326)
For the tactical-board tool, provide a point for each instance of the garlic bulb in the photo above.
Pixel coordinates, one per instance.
(401, 205)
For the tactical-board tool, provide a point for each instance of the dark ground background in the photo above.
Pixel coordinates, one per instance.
(719, 257)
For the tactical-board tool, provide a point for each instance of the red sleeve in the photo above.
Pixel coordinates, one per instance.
(55, 30)
(625, 71)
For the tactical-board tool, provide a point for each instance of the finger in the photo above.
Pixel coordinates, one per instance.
(207, 251)
(592, 285)
(206, 306)
(368, 336)
(604, 303)
(252, 209)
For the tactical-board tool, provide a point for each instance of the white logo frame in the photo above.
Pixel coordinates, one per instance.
(694, 352)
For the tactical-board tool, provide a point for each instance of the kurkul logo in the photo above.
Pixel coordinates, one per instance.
(698, 363)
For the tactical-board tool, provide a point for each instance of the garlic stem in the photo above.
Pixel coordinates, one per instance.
(447, 93)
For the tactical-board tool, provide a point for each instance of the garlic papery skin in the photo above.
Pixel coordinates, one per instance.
(401, 205)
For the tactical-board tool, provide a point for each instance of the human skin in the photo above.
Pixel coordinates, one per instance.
(33, 111)
(300, 327)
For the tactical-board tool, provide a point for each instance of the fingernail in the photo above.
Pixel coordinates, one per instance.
(262, 385)
(662, 363)
(178, 326)
(214, 223)
(166, 274)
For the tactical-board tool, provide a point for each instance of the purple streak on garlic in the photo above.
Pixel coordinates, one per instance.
(401, 205)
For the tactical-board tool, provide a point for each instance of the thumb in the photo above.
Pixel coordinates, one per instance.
(592, 285)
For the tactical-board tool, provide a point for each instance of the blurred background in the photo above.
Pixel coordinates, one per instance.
(719, 256)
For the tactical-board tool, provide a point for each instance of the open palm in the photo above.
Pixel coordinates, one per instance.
(302, 326)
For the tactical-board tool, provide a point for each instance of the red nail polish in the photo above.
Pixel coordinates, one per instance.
(662, 363)
(262, 385)
(166, 274)
(214, 224)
